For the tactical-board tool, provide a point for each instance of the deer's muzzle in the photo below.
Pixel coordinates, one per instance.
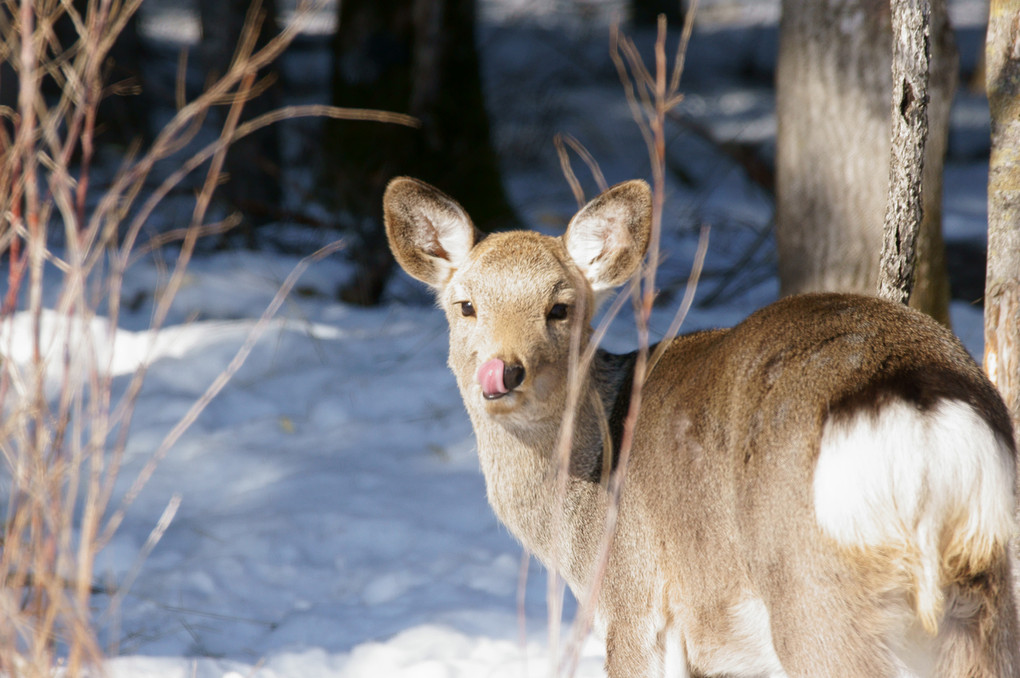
(498, 378)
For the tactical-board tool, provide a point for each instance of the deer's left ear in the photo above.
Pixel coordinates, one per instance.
(608, 237)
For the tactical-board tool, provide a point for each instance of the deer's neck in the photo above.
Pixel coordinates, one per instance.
(558, 516)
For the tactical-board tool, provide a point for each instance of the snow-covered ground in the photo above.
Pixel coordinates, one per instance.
(332, 518)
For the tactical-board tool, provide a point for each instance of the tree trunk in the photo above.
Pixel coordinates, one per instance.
(1002, 284)
(123, 114)
(834, 86)
(253, 162)
(417, 57)
(909, 113)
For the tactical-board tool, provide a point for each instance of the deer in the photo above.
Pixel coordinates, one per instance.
(825, 489)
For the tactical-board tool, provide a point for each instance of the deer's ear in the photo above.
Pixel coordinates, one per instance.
(429, 233)
(608, 237)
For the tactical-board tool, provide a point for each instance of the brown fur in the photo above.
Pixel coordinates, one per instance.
(717, 523)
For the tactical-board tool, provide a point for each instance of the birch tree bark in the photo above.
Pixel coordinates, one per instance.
(834, 86)
(1002, 281)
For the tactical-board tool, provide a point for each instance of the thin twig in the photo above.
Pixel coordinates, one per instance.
(650, 99)
(218, 384)
(562, 141)
(112, 609)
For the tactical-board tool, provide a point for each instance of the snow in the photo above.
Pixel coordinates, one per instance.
(333, 519)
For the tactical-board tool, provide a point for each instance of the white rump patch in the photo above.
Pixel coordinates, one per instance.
(901, 477)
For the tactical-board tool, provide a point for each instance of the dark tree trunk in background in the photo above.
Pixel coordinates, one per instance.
(646, 12)
(8, 89)
(253, 162)
(123, 114)
(834, 85)
(416, 57)
(1002, 284)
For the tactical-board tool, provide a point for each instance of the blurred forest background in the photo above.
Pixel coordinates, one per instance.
(780, 145)
(826, 165)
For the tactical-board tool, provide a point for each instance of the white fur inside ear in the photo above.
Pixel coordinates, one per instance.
(450, 235)
(593, 239)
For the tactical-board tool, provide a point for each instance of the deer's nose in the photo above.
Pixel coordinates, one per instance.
(513, 375)
(498, 378)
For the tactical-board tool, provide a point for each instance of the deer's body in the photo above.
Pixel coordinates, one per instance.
(824, 490)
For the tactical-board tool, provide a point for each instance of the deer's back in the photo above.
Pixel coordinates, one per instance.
(732, 422)
(772, 381)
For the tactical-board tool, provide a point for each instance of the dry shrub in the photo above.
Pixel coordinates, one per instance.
(64, 423)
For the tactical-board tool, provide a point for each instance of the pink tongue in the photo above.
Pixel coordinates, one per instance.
(490, 377)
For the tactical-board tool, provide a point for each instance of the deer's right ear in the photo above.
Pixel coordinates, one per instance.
(429, 233)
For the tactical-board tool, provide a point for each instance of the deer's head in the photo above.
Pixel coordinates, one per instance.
(514, 298)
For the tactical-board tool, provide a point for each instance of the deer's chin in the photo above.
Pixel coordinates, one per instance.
(505, 404)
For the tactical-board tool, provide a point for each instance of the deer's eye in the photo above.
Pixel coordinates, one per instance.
(557, 312)
(467, 309)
